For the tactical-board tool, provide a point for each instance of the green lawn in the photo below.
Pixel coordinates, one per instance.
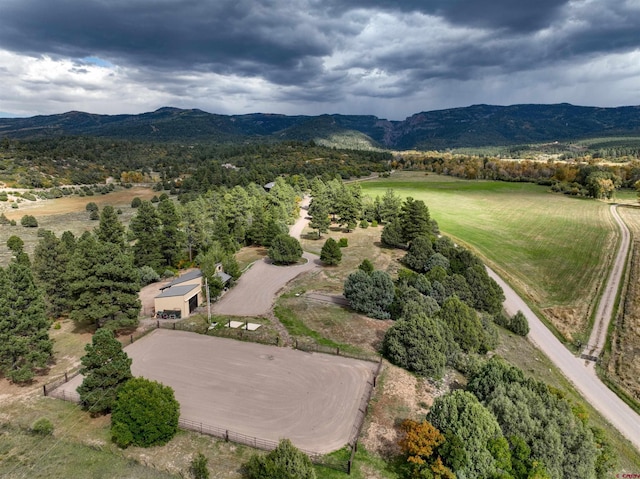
(554, 249)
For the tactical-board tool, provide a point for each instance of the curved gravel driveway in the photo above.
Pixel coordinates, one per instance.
(257, 288)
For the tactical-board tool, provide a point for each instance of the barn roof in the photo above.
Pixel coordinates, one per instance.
(188, 276)
(178, 291)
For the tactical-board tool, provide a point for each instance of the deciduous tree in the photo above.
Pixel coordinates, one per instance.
(145, 414)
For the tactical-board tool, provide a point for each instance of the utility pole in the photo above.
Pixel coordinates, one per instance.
(206, 285)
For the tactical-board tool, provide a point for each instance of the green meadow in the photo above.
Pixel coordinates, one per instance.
(552, 248)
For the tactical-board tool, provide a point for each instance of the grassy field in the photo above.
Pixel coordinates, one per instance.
(64, 214)
(554, 249)
(623, 357)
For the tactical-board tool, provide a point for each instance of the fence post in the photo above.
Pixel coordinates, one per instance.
(132, 339)
(337, 351)
(44, 389)
(349, 467)
(157, 324)
(66, 378)
(174, 325)
(226, 435)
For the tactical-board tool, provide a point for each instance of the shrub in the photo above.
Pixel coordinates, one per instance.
(148, 275)
(371, 294)
(29, 196)
(519, 324)
(145, 414)
(29, 221)
(331, 254)
(285, 249)
(155, 199)
(42, 427)
(374, 224)
(284, 462)
(343, 242)
(91, 206)
(198, 466)
(364, 224)
(136, 202)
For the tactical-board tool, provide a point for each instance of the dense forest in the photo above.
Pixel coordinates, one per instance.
(84, 160)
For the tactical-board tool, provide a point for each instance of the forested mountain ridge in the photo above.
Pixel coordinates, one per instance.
(477, 125)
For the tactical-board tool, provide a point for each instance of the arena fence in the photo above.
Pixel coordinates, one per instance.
(331, 462)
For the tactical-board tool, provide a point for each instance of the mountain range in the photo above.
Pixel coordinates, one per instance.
(473, 126)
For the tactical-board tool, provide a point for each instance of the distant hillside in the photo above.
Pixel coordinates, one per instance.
(474, 126)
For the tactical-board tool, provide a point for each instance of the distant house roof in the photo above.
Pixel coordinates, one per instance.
(193, 274)
(269, 185)
(178, 291)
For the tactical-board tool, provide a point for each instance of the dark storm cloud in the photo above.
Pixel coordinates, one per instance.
(228, 36)
(306, 51)
(285, 41)
(516, 15)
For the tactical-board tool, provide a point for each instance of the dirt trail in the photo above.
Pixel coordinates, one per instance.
(608, 299)
(579, 371)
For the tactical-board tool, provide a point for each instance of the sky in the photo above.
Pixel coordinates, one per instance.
(389, 58)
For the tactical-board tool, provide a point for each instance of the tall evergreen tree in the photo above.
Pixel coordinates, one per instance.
(319, 212)
(24, 329)
(172, 238)
(50, 264)
(104, 284)
(110, 230)
(105, 367)
(415, 219)
(146, 228)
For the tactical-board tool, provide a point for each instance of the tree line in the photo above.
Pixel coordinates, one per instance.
(446, 310)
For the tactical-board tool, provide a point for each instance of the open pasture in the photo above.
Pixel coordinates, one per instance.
(64, 214)
(554, 249)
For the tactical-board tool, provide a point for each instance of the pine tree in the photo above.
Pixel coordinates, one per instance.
(104, 283)
(172, 238)
(319, 212)
(50, 262)
(146, 230)
(415, 219)
(110, 230)
(24, 329)
(105, 367)
(331, 253)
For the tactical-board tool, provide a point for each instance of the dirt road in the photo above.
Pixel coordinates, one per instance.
(583, 377)
(257, 289)
(608, 299)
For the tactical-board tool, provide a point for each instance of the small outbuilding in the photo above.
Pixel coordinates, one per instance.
(179, 298)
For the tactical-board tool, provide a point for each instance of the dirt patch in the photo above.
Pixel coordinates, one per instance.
(566, 320)
(75, 203)
(147, 296)
(400, 395)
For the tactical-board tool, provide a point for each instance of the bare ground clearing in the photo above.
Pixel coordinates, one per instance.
(75, 203)
(262, 391)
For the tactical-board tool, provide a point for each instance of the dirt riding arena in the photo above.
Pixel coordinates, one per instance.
(257, 390)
